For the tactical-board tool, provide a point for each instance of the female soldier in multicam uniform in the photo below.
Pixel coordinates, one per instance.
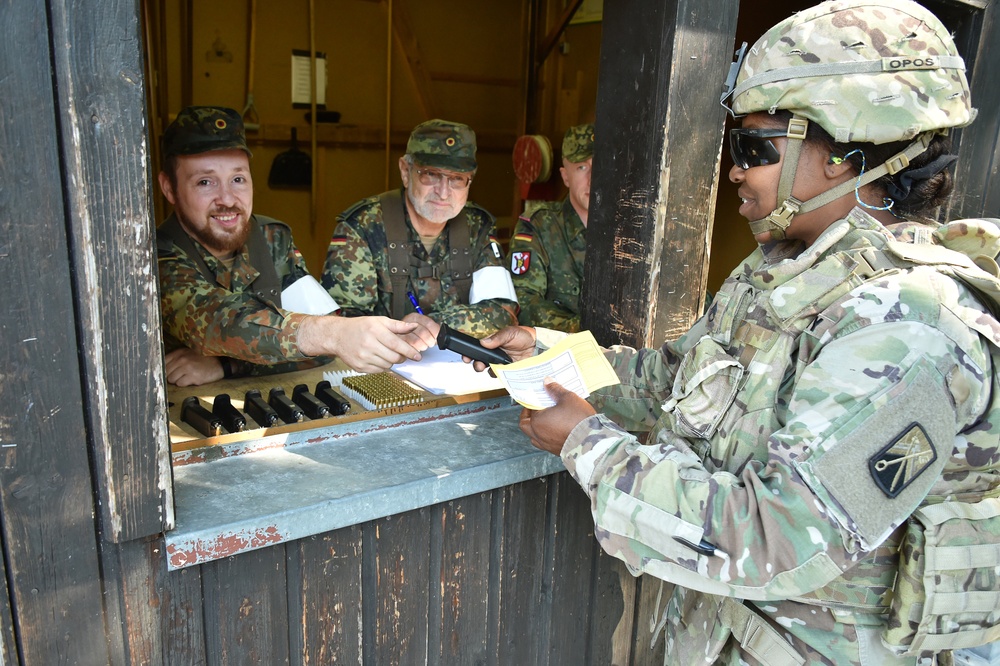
(843, 378)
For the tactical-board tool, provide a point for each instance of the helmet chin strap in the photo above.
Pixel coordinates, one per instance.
(781, 217)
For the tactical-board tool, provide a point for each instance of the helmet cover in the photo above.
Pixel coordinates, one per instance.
(870, 71)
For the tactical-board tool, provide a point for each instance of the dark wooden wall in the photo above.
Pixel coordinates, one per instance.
(512, 576)
(507, 577)
(655, 166)
(100, 125)
(53, 610)
(978, 167)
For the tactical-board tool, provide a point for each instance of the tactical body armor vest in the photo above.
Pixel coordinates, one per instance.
(403, 262)
(745, 347)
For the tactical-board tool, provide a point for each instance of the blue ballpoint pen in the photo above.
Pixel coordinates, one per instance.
(413, 299)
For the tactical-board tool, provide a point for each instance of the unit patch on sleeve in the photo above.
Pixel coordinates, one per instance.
(519, 262)
(900, 462)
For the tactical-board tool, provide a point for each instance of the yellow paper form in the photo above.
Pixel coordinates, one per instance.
(576, 363)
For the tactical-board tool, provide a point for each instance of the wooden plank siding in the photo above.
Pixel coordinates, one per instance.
(524, 577)
(518, 579)
(162, 613)
(510, 576)
(460, 580)
(53, 608)
(329, 572)
(102, 127)
(656, 165)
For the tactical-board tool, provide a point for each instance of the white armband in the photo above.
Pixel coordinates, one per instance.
(308, 296)
(492, 282)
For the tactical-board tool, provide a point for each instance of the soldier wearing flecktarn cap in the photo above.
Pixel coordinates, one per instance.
(224, 272)
(424, 252)
(548, 247)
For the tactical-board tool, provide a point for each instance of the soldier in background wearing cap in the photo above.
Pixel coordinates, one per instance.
(548, 247)
(222, 271)
(424, 252)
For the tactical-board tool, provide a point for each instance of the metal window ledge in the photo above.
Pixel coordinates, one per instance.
(347, 474)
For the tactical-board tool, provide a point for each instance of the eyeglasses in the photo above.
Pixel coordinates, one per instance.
(753, 147)
(433, 178)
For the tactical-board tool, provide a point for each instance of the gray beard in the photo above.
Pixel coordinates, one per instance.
(429, 213)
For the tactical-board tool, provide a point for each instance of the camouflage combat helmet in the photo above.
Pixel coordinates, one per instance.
(873, 71)
(200, 129)
(578, 144)
(864, 70)
(444, 144)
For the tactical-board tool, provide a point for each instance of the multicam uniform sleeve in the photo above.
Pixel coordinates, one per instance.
(529, 264)
(217, 322)
(490, 315)
(349, 273)
(646, 379)
(792, 519)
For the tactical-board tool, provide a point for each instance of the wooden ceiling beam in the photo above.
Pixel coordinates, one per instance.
(551, 39)
(406, 40)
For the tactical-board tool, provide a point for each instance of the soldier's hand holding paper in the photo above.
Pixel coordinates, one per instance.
(576, 363)
(548, 428)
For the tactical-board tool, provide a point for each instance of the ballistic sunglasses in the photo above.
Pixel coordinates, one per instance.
(753, 147)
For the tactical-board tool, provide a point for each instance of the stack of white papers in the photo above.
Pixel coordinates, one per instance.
(442, 372)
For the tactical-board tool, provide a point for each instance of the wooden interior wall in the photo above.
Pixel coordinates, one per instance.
(566, 94)
(459, 61)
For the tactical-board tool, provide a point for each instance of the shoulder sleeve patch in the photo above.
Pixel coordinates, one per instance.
(882, 460)
(898, 464)
(520, 262)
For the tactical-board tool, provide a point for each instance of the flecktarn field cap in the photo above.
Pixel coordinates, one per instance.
(442, 143)
(200, 129)
(578, 144)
